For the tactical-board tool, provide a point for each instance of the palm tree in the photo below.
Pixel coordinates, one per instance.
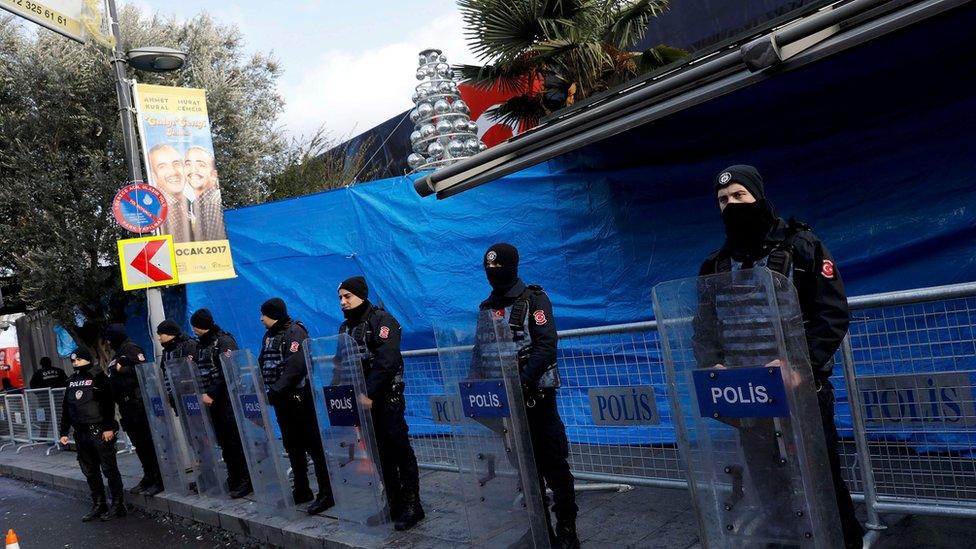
(555, 52)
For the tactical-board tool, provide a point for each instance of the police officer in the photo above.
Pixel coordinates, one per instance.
(378, 335)
(756, 237)
(285, 373)
(48, 377)
(128, 396)
(88, 408)
(212, 343)
(176, 344)
(529, 311)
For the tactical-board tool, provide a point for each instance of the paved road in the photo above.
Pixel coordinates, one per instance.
(45, 518)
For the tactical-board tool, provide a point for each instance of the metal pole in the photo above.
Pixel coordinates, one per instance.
(154, 298)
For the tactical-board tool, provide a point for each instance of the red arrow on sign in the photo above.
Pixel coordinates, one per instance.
(142, 262)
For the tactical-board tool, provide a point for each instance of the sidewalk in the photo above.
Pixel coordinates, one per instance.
(641, 517)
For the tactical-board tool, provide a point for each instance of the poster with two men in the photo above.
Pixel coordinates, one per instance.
(179, 157)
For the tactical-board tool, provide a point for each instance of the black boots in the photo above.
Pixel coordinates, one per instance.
(146, 482)
(98, 509)
(566, 537)
(321, 503)
(412, 512)
(117, 510)
(241, 490)
(155, 487)
(302, 495)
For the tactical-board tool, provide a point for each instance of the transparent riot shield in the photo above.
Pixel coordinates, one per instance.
(498, 479)
(162, 423)
(262, 450)
(348, 436)
(210, 472)
(745, 410)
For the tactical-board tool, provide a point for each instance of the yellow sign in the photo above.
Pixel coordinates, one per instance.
(147, 262)
(179, 154)
(203, 261)
(62, 16)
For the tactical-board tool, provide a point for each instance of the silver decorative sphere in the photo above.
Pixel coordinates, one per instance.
(471, 146)
(443, 69)
(442, 58)
(424, 110)
(444, 88)
(455, 148)
(430, 72)
(441, 106)
(460, 125)
(472, 126)
(415, 160)
(444, 126)
(421, 73)
(422, 60)
(414, 116)
(420, 146)
(454, 87)
(415, 136)
(481, 146)
(415, 96)
(460, 106)
(432, 57)
(427, 130)
(435, 150)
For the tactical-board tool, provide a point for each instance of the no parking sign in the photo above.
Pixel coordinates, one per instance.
(139, 208)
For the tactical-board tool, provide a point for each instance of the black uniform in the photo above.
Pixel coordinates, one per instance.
(128, 397)
(378, 335)
(48, 377)
(209, 348)
(794, 251)
(283, 368)
(528, 309)
(88, 408)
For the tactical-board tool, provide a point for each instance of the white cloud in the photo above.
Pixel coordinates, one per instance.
(351, 91)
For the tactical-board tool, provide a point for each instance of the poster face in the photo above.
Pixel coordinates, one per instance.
(179, 157)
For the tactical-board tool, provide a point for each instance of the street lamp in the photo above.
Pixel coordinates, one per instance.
(153, 59)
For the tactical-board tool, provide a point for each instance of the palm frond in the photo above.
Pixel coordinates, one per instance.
(657, 57)
(627, 21)
(500, 29)
(507, 77)
(523, 109)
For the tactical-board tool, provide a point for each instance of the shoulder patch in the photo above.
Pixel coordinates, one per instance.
(500, 313)
(827, 269)
(384, 332)
(294, 347)
(540, 317)
(142, 357)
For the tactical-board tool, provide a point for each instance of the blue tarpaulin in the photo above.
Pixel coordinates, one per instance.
(874, 147)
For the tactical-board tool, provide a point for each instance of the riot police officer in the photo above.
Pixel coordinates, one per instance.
(756, 237)
(285, 373)
(378, 335)
(48, 377)
(128, 396)
(176, 344)
(212, 343)
(529, 311)
(88, 408)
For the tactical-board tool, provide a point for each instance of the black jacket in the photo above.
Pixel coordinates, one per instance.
(122, 375)
(819, 288)
(542, 328)
(49, 378)
(209, 350)
(287, 337)
(379, 332)
(102, 396)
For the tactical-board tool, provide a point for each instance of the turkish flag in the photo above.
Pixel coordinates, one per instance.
(480, 100)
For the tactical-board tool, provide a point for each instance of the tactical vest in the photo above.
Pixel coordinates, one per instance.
(361, 333)
(271, 359)
(518, 318)
(779, 259)
(208, 367)
(81, 401)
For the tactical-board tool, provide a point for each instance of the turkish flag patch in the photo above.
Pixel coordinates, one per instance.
(827, 269)
(540, 317)
(500, 313)
(294, 346)
(142, 357)
(384, 332)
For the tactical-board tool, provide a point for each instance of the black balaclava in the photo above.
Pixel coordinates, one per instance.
(356, 286)
(746, 225)
(504, 277)
(203, 320)
(275, 309)
(115, 334)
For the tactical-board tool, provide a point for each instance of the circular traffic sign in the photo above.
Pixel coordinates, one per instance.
(139, 208)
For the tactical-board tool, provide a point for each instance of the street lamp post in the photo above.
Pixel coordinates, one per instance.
(149, 59)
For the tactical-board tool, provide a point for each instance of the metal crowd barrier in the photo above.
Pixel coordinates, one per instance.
(905, 384)
(30, 418)
(5, 429)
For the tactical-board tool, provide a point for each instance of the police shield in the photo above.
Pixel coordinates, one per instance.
(162, 423)
(497, 471)
(262, 450)
(745, 410)
(197, 427)
(348, 437)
